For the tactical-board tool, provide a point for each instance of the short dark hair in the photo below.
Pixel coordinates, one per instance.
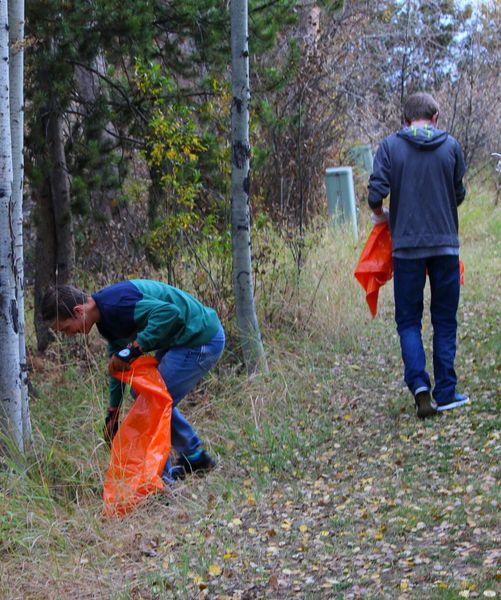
(58, 302)
(420, 106)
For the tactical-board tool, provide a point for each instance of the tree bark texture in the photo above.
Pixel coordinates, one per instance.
(45, 258)
(10, 374)
(16, 72)
(55, 245)
(60, 193)
(250, 335)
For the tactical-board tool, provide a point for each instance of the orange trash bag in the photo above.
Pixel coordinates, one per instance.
(375, 266)
(142, 443)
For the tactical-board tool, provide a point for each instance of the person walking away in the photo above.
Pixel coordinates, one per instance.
(421, 167)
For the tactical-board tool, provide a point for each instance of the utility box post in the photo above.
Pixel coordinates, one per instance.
(341, 196)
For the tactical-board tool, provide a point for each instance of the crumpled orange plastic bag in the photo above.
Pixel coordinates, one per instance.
(375, 266)
(142, 443)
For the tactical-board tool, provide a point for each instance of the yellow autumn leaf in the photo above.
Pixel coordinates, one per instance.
(215, 570)
(404, 585)
(303, 528)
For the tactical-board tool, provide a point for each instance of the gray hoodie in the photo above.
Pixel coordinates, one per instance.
(422, 169)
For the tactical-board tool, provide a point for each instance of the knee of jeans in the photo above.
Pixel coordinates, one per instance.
(406, 321)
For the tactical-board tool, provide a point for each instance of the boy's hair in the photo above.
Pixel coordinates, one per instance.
(58, 302)
(420, 106)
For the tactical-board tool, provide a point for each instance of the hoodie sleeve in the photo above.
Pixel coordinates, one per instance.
(459, 170)
(379, 181)
(116, 386)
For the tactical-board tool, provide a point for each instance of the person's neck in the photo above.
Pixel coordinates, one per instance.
(421, 122)
(92, 311)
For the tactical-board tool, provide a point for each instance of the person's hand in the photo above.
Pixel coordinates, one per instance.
(382, 217)
(111, 424)
(117, 364)
(121, 361)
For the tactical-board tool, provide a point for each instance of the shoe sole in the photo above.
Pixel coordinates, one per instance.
(453, 405)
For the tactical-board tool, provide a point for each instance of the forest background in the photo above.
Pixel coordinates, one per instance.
(127, 160)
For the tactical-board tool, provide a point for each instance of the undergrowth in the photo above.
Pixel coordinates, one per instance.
(327, 486)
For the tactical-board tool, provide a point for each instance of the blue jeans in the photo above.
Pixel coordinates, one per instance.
(181, 369)
(409, 282)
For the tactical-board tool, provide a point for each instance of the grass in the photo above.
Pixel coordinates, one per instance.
(328, 486)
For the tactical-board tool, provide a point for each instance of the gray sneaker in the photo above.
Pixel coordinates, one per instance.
(425, 405)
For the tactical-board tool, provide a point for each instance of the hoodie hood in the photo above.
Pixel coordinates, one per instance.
(424, 137)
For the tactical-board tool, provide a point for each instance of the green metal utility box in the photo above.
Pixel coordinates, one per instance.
(341, 196)
(362, 157)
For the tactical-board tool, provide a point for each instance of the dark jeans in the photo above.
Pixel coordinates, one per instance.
(409, 282)
(181, 369)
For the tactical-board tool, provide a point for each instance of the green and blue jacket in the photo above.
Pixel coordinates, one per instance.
(156, 315)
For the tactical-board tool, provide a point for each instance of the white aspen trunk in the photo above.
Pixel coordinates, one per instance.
(10, 373)
(250, 335)
(16, 71)
(309, 29)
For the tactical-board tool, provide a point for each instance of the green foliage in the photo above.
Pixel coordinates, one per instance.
(63, 34)
(172, 148)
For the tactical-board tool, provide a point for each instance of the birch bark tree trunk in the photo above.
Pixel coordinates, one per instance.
(10, 374)
(16, 73)
(250, 335)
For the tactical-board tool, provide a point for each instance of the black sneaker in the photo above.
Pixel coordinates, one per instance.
(425, 405)
(184, 466)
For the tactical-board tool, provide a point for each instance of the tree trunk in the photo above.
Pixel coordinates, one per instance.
(250, 335)
(11, 419)
(60, 193)
(55, 246)
(16, 71)
(309, 29)
(45, 258)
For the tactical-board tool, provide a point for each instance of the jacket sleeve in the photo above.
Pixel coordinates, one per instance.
(379, 181)
(116, 386)
(459, 170)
